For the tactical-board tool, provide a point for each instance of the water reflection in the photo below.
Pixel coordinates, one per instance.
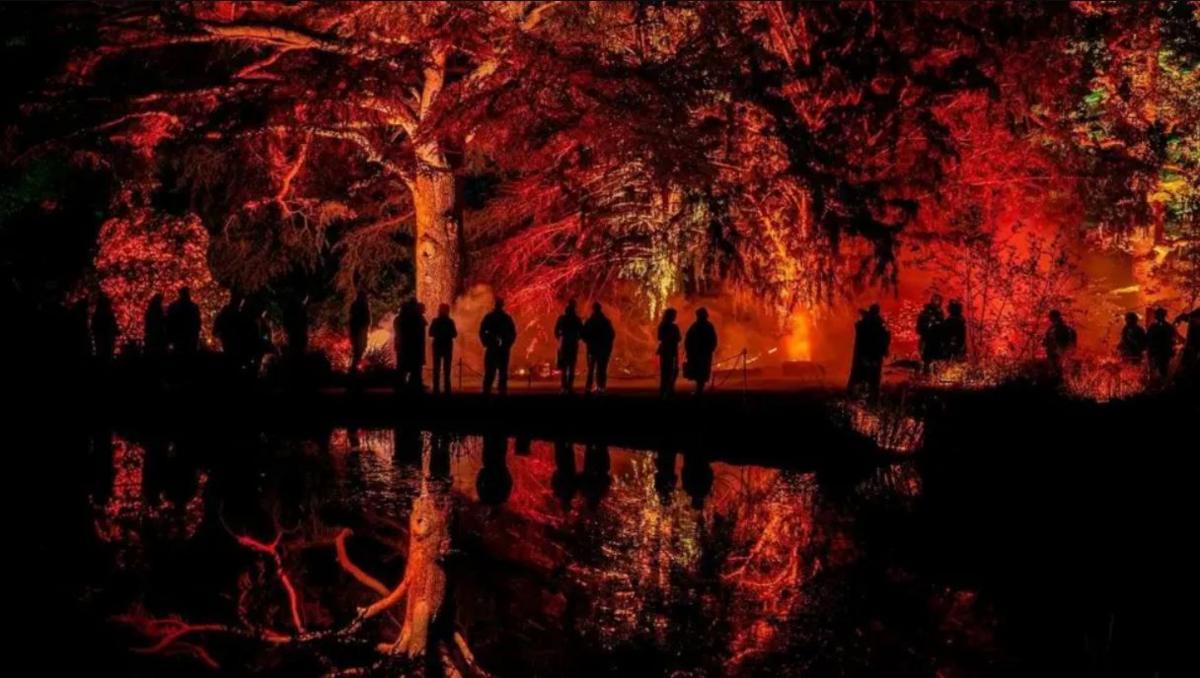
(548, 558)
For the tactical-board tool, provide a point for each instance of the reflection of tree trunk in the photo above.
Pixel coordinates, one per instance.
(438, 257)
(424, 585)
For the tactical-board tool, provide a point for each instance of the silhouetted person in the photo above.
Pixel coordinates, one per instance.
(598, 335)
(954, 333)
(568, 331)
(409, 336)
(595, 479)
(442, 332)
(295, 325)
(664, 475)
(154, 327)
(872, 341)
(183, 324)
(929, 326)
(497, 333)
(565, 480)
(700, 345)
(104, 330)
(1060, 340)
(1132, 346)
(494, 482)
(1189, 358)
(360, 325)
(1160, 344)
(668, 353)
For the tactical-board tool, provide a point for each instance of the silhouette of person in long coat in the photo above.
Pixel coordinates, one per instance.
(599, 336)
(497, 333)
(668, 353)
(871, 343)
(700, 345)
(295, 326)
(442, 332)
(568, 331)
(409, 333)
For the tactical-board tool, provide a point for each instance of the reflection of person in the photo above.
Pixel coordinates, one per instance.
(493, 484)
(497, 333)
(664, 475)
(599, 335)
(442, 331)
(697, 476)
(700, 345)
(568, 331)
(595, 479)
(668, 353)
(565, 478)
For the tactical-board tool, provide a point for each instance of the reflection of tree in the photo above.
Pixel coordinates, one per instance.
(273, 592)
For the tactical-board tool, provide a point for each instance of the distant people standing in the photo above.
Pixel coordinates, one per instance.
(183, 324)
(954, 333)
(872, 341)
(104, 329)
(154, 327)
(929, 328)
(598, 335)
(700, 345)
(442, 332)
(360, 324)
(295, 325)
(1160, 344)
(1059, 341)
(668, 353)
(568, 331)
(1132, 346)
(497, 333)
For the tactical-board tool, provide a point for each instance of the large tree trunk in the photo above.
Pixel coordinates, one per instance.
(438, 259)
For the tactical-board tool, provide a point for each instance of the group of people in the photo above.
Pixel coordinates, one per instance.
(498, 333)
(1155, 344)
(173, 329)
(941, 336)
(245, 337)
